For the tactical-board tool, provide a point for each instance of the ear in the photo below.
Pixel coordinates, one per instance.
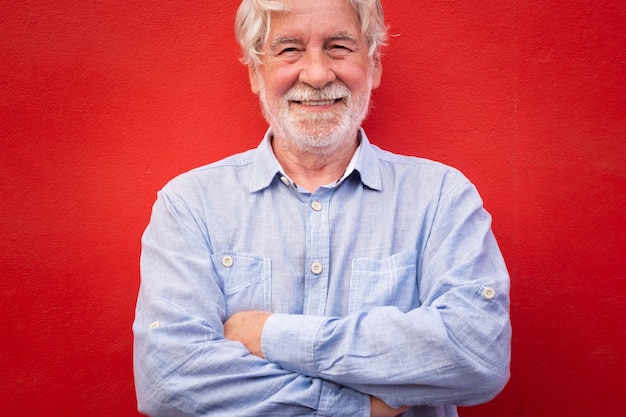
(377, 72)
(253, 75)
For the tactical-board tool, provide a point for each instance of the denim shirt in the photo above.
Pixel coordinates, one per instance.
(387, 283)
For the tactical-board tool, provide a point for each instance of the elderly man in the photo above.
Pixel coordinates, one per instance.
(318, 275)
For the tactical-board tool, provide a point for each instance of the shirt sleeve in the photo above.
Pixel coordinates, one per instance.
(183, 364)
(453, 349)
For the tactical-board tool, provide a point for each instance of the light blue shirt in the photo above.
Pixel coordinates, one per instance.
(387, 283)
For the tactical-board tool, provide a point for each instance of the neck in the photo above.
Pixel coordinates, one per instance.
(317, 167)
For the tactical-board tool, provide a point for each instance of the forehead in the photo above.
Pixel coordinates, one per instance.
(315, 18)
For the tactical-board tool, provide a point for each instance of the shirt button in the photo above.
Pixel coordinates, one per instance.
(285, 180)
(316, 205)
(228, 261)
(316, 268)
(489, 293)
(155, 324)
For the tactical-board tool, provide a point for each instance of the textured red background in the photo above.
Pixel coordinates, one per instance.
(102, 102)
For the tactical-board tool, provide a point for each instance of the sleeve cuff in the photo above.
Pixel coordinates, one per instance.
(289, 341)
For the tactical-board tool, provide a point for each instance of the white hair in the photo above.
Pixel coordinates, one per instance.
(253, 20)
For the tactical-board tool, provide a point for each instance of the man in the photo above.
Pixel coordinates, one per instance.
(318, 275)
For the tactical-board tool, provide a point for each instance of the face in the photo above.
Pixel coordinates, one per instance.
(316, 76)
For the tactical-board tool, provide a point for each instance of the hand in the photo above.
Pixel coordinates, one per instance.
(247, 327)
(378, 408)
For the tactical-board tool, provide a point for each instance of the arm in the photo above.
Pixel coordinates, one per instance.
(453, 349)
(183, 364)
(246, 327)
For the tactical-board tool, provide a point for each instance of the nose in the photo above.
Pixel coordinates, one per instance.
(317, 71)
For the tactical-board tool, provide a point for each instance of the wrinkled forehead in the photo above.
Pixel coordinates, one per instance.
(329, 17)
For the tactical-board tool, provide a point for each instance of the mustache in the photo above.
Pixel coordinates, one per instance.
(303, 92)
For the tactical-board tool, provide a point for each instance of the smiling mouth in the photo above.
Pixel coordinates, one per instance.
(318, 102)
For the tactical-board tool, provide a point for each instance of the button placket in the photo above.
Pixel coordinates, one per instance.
(316, 268)
(317, 252)
(316, 206)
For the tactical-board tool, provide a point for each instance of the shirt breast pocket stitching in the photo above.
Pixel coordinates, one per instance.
(246, 270)
(383, 281)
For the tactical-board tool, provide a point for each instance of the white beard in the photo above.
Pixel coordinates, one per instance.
(316, 132)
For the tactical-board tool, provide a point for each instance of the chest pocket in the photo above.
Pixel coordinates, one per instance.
(245, 280)
(386, 282)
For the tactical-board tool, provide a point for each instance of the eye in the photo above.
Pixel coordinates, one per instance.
(339, 50)
(289, 50)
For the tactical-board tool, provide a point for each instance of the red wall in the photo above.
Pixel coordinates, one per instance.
(102, 102)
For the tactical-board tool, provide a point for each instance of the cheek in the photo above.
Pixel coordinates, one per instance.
(355, 77)
(279, 82)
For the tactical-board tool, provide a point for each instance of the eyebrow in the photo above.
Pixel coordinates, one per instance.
(342, 36)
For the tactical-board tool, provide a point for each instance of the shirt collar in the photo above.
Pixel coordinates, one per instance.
(368, 165)
(267, 167)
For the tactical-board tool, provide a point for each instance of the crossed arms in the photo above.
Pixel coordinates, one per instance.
(191, 359)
